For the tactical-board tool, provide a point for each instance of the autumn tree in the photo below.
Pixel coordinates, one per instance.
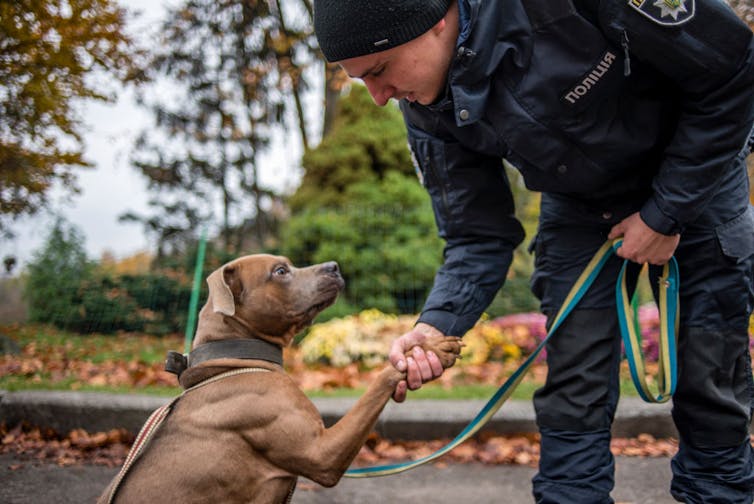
(50, 52)
(235, 70)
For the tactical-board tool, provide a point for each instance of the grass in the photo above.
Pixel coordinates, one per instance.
(98, 348)
(525, 391)
(428, 391)
(432, 391)
(18, 384)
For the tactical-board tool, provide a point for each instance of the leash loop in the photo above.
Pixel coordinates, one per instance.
(630, 329)
(631, 337)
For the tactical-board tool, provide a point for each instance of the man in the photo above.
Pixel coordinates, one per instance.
(632, 118)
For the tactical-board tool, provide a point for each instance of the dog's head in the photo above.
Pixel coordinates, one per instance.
(265, 296)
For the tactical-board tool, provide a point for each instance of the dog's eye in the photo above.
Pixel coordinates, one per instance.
(280, 270)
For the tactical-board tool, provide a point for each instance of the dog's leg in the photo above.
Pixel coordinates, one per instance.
(338, 445)
(330, 451)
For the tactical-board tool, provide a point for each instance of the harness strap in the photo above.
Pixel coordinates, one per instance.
(156, 419)
(667, 379)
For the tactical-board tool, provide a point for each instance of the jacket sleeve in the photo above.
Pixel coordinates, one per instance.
(474, 212)
(708, 58)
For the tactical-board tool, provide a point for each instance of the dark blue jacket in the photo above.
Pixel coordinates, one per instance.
(613, 106)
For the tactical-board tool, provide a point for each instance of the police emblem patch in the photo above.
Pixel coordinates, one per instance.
(665, 12)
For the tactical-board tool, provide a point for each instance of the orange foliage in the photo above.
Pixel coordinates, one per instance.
(134, 264)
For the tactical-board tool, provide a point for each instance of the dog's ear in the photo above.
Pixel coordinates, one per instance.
(223, 300)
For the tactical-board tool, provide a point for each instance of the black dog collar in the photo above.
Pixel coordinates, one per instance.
(177, 363)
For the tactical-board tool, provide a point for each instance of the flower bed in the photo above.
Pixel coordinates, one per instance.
(365, 338)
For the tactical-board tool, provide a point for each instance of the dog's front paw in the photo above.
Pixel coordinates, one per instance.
(447, 348)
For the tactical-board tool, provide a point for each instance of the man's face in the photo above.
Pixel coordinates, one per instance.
(416, 70)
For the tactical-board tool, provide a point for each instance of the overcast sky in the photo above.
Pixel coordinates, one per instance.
(112, 187)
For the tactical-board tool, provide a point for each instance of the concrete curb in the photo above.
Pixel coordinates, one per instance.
(65, 411)
(414, 420)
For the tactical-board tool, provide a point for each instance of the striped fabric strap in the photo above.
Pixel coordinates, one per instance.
(669, 306)
(145, 434)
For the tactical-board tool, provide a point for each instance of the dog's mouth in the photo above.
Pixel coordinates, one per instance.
(328, 298)
(326, 290)
(313, 311)
(325, 298)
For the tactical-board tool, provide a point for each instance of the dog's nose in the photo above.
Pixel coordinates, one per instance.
(331, 268)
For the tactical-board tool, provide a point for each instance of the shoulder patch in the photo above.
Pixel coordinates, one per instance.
(665, 12)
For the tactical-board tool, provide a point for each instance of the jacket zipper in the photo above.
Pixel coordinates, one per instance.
(626, 55)
(440, 185)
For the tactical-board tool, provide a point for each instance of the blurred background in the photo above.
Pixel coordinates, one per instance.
(132, 130)
(143, 141)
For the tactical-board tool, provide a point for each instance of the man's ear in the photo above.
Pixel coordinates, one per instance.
(223, 300)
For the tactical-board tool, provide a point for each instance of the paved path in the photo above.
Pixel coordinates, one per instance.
(638, 481)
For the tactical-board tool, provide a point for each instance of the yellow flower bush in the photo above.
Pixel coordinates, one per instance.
(502, 339)
(362, 338)
(365, 338)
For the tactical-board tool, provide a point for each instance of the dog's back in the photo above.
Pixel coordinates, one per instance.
(205, 450)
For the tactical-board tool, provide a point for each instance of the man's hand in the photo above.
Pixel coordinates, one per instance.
(642, 244)
(420, 366)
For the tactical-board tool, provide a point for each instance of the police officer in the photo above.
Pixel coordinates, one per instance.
(632, 119)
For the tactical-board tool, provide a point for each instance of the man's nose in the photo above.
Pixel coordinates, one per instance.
(380, 93)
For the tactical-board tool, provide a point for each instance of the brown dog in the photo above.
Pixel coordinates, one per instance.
(246, 437)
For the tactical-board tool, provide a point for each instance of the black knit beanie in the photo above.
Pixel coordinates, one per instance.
(350, 28)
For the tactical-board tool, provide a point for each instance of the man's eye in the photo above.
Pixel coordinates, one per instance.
(378, 72)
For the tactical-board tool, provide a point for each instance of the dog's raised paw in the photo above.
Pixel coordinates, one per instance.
(447, 348)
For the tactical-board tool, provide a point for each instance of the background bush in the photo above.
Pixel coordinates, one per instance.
(64, 288)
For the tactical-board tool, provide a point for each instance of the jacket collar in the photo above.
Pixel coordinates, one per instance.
(491, 34)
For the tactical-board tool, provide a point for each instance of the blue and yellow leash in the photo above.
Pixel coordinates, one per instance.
(630, 332)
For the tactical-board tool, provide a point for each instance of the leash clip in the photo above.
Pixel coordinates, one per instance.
(176, 363)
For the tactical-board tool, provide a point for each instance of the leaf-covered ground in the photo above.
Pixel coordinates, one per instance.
(37, 446)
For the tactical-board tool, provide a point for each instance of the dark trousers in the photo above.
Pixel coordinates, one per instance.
(713, 401)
